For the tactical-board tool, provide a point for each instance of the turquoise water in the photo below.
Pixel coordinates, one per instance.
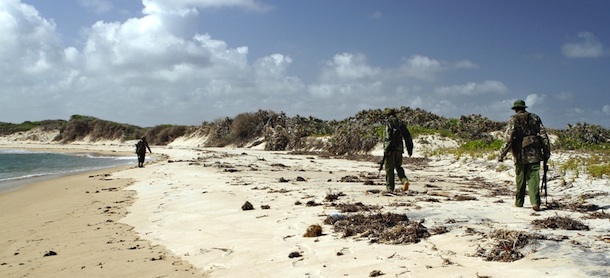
(21, 165)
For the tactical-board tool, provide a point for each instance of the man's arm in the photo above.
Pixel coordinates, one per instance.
(546, 142)
(406, 135)
(508, 138)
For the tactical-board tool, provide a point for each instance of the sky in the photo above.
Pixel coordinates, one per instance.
(184, 62)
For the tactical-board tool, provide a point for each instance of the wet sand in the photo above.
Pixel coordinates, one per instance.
(69, 227)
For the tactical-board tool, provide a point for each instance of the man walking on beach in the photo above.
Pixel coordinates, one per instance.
(529, 143)
(394, 134)
(141, 147)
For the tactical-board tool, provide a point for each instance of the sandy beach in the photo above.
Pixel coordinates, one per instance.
(183, 215)
(70, 227)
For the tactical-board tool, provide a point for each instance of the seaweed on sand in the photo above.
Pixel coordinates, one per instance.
(331, 197)
(507, 246)
(356, 207)
(597, 215)
(560, 222)
(572, 206)
(385, 228)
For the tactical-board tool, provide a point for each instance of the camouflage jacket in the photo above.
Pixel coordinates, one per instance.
(141, 147)
(526, 138)
(392, 126)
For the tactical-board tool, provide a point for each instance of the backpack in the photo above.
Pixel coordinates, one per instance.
(525, 135)
(140, 147)
(394, 134)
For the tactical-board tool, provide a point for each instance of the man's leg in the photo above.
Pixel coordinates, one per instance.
(390, 163)
(401, 171)
(520, 181)
(533, 183)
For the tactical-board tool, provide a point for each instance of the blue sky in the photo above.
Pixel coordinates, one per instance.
(153, 62)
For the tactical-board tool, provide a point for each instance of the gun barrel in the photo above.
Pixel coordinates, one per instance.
(544, 182)
(382, 162)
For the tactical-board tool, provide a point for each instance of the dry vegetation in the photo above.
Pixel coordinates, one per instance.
(506, 245)
(352, 136)
(387, 228)
(560, 222)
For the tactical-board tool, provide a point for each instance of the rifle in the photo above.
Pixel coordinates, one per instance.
(544, 182)
(382, 162)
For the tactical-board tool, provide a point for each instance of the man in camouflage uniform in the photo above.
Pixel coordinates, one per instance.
(141, 147)
(394, 134)
(528, 141)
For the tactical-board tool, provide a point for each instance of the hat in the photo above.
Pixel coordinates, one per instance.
(519, 104)
(390, 111)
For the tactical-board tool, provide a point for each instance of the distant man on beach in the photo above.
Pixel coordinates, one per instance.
(141, 147)
(395, 133)
(529, 143)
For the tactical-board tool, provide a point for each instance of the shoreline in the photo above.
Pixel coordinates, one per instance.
(19, 183)
(69, 226)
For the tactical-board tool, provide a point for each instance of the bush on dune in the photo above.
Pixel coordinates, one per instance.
(80, 127)
(165, 134)
(10, 128)
(582, 136)
(355, 135)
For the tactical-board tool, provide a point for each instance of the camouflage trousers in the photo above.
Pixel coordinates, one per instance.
(393, 161)
(527, 176)
(141, 157)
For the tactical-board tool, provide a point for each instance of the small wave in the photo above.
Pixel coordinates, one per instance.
(14, 151)
(25, 177)
(60, 173)
(96, 155)
(18, 165)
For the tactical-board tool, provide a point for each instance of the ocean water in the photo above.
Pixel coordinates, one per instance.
(18, 167)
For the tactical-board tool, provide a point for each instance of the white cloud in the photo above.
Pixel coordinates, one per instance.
(588, 47)
(606, 109)
(160, 6)
(156, 65)
(27, 41)
(420, 67)
(161, 67)
(347, 66)
(533, 100)
(465, 64)
(347, 82)
(473, 89)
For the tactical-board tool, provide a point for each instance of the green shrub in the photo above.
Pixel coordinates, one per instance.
(165, 134)
(599, 170)
(417, 131)
(10, 128)
(80, 127)
(583, 137)
(570, 165)
(482, 145)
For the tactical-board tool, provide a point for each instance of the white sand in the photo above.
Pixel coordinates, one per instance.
(191, 204)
